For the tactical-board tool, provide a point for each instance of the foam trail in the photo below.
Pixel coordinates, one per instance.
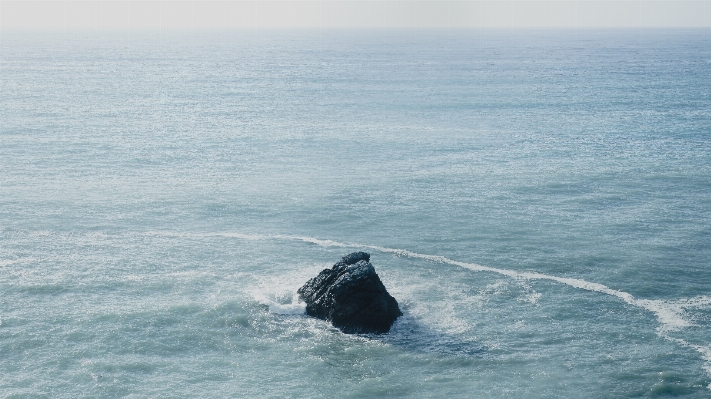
(670, 314)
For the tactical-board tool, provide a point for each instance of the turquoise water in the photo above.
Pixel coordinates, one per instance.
(539, 202)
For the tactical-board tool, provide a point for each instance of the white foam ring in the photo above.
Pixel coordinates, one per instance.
(670, 314)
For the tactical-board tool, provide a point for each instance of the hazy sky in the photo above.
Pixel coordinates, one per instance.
(330, 13)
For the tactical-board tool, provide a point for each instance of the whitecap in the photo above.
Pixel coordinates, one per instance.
(278, 305)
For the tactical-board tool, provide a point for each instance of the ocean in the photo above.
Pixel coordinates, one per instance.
(538, 202)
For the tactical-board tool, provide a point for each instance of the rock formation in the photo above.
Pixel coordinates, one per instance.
(351, 296)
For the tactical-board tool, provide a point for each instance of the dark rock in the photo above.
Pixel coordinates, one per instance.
(351, 296)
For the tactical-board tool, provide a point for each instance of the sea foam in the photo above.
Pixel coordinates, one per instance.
(671, 315)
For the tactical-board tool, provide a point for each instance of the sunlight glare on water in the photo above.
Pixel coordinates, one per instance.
(537, 202)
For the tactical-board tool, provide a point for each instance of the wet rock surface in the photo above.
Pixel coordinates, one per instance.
(351, 296)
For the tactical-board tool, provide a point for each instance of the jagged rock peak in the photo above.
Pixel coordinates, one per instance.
(355, 257)
(351, 296)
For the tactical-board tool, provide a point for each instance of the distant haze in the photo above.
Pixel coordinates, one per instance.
(140, 15)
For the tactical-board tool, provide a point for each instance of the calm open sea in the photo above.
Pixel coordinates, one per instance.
(539, 202)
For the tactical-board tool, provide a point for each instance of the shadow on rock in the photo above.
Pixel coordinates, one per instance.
(351, 296)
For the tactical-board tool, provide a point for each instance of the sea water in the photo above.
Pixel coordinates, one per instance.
(539, 203)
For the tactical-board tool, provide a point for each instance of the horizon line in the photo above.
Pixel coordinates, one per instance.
(402, 14)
